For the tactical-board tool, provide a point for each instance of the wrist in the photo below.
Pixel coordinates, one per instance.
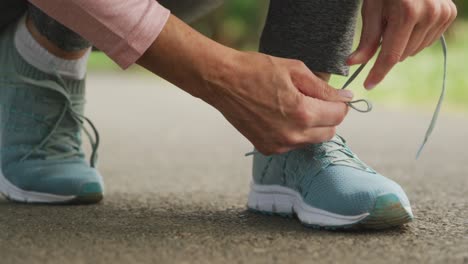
(219, 72)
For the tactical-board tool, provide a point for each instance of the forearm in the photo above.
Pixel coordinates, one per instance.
(188, 59)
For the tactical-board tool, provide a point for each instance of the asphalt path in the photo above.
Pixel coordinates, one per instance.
(177, 183)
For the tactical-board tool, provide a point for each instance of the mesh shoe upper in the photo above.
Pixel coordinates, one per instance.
(328, 176)
(41, 123)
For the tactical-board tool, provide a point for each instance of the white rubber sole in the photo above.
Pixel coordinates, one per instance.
(275, 199)
(14, 193)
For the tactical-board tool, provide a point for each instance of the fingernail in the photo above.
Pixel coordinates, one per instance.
(346, 93)
(370, 86)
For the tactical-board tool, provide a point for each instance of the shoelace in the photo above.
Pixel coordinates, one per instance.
(58, 135)
(336, 152)
(436, 111)
(343, 148)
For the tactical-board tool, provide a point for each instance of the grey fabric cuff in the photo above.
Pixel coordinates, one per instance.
(318, 32)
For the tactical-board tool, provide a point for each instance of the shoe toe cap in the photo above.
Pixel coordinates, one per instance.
(348, 191)
(69, 178)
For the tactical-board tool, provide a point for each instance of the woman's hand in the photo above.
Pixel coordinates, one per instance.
(405, 27)
(277, 104)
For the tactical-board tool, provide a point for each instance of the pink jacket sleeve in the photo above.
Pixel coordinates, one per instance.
(123, 29)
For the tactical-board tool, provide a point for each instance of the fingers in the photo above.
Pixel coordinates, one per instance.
(297, 140)
(321, 90)
(317, 113)
(311, 85)
(416, 41)
(433, 19)
(410, 27)
(371, 32)
(395, 39)
(316, 122)
(448, 14)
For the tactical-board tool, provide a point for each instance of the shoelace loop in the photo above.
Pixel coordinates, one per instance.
(352, 104)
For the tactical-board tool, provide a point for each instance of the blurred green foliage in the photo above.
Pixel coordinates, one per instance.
(238, 24)
(462, 6)
(417, 81)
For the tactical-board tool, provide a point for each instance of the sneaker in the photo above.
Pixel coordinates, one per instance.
(41, 115)
(327, 186)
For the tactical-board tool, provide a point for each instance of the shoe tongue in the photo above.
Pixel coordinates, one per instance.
(336, 141)
(335, 152)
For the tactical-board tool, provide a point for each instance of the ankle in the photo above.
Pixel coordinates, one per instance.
(51, 47)
(36, 51)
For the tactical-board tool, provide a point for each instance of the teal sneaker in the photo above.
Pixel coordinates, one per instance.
(327, 185)
(41, 121)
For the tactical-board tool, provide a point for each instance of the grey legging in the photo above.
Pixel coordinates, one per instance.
(318, 32)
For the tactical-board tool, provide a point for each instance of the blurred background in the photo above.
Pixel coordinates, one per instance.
(414, 83)
(177, 180)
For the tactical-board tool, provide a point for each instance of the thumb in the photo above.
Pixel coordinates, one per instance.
(312, 86)
(371, 34)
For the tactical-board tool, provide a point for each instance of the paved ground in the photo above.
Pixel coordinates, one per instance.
(177, 182)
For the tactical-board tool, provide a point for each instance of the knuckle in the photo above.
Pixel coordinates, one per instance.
(324, 135)
(411, 16)
(297, 64)
(289, 139)
(325, 91)
(329, 134)
(454, 10)
(341, 116)
(302, 116)
(391, 57)
(336, 120)
(432, 11)
(453, 13)
(446, 13)
(407, 4)
(409, 11)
